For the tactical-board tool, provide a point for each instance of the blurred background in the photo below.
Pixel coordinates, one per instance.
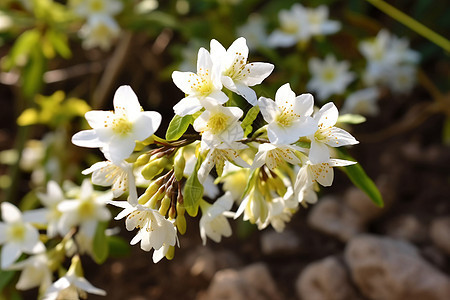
(60, 59)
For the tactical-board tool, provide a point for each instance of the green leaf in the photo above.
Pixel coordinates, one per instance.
(118, 247)
(360, 179)
(33, 73)
(59, 42)
(248, 120)
(100, 249)
(5, 278)
(250, 182)
(178, 127)
(351, 119)
(193, 191)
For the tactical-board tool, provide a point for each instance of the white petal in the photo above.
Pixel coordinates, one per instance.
(284, 94)
(258, 72)
(10, 253)
(10, 213)
(85, 285)
(87, 138)
(339, 137)
(269, 109)
(187, 106)
(120, 148)
(247, 93)
(325, 176)
(328, 115)
(37, 216)
(217, 96)
(204, 62)
(146, 124)
(242, 207)
(279, 38)
(97, 118)
(181, 80)
(319, 153)
(304, 105)
(126, 102)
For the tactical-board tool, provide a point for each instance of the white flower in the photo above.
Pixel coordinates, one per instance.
(219, 124)
(220, 154)
(50, 200)
(87, 210)
(236, 74)
(329, 76)
(35, 272)
(327, 135)
(203, 87)
(294, 27)
(72, 285)
(214, 223)
(363, 102)
(154, 229)
(402, 79)
(255, 208)
(234, 180)
(254, 31)
(89, 8)
(318, 23)
(116, 132)
(17, 235)
(281, 210)
(120, 176)
(273, 155)
(288, 116)
(99, 31)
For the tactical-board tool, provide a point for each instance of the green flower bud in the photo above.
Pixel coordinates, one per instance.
(142, 159)
(165, 204)
(179, 164)
(170, 253)
(154, 167)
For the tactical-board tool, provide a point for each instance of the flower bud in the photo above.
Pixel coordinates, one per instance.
(142, 159)
(154, 167)
(178, 164)
(165, 204)
(170, 253)
(180, 222)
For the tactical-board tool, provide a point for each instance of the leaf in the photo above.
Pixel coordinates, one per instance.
(33, 73)
(100, 249)
(193, 191)
(177, 127)
(59, 42)
(250, 182)
(29, 116)
(248, 120)
(118, 247)
(360, 179)
(351, 119)
(5, 278)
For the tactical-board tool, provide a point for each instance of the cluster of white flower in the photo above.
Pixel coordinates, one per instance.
(390, 62)
(268, 171)
(81, 208)
(100, 28)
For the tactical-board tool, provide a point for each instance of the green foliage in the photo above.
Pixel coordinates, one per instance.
(193, 191)
(178, 126)
(5, 278)
(351, 119)
(248, 120)
(360, 179)
(118, 247)
(100, 246)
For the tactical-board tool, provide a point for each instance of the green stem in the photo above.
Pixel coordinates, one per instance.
(412, 24)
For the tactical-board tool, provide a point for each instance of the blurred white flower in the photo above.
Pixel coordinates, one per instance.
(214, 223)
(116, 132)
(99, 31)
(281, 210)
(402, 79)
(327, 135)
(90, 8)
(318, 22)
(86, 211)
(50, 200)
(329, 76)
(237, 74)
(35, 272)
(254, 32)
(205, 86)
(293, 27)
(288, 116)
(119, 176)
(273, 155)
(17, 235)
(363, 102)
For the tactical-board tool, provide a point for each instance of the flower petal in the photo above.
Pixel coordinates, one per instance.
(10, 213)
(319, 153)
(10, 253)
(126, 102)
(87, 138)
(269, 109)
(187, 106)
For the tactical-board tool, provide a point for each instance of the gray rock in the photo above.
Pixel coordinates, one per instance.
(384, 268)
(440, 233)
(326, 279)
(286, 242)
(407, 227)
(251, 283)
(332, 217)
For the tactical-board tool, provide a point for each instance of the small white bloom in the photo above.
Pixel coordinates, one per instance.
(236, 74)
(116, 132)
(89, 8)
(214, 223)
(220, 154)
(288, 116)
(203, 87)
(17, 235)
(234, 180)
(281, 210)
(50, 200)
(120, 176)
(35, 272)
(318, 22)
(327, 135)
(329, 76)
(254, 32)
(218, 124)
(254, 207)
(273, 155)
(99, 31)
(154, 229)
(293, 27)
(363, 102)
(402, 79)
(87, 210)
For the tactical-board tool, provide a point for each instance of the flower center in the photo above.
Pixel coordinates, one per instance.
(17, 232)
(86, 208)
(122, 126)
(286, 117)
(289, 26)
(97, 6)
(328, 75)
(218, 123)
